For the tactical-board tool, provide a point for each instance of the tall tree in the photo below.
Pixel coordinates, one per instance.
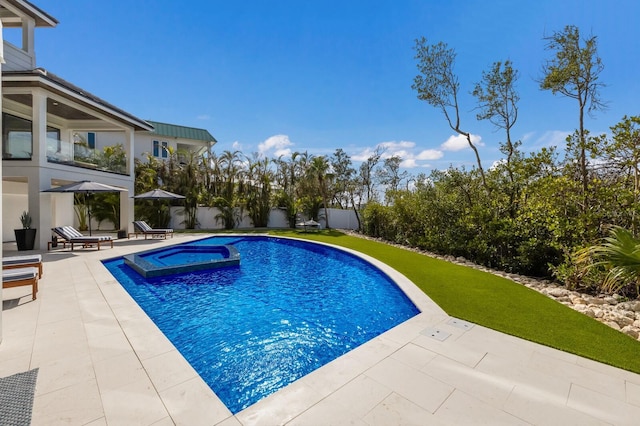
(438, 85)
(366, 177)
(343, 173)
(390, 175)
(622, 156)
(498, 102)
(574, 72)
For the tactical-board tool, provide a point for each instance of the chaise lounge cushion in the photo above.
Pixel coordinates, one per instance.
(19, 277)
(33, 260)
(144, 228)
(18, 274)
(73, 236)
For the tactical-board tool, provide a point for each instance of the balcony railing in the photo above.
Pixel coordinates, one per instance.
(111, 159)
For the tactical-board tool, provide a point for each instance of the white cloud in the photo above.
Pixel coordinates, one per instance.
(459, 142)
(278, 144)
(430, 154)
(237, 146)
(363, 155)
(552, 138)
(409, 163)
(397, 146)
(203, 117)
(404, 150)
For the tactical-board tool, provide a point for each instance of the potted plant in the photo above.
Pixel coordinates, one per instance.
(25, 237)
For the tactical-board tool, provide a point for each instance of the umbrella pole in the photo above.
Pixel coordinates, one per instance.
(89, 211)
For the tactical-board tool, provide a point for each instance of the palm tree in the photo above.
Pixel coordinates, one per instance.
(258, 190)
(286, 178)
(188, 182)
(619, 255)
(319, 170)
(230, 171)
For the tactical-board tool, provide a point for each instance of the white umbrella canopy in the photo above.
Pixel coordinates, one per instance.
(86, 187)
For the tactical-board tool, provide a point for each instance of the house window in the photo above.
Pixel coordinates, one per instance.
(17, 138)
(53, 140)
(91, 140)
(160, 149)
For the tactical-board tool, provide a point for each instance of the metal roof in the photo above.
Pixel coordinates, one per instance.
(182, 132)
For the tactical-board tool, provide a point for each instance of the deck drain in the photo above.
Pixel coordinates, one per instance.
(436, 334)
(460, 323)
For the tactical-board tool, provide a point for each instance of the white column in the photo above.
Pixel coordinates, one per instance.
(39, 204)
(126, 202)
(129, 135)
(126, 211)
(39, 119)
(28, 30)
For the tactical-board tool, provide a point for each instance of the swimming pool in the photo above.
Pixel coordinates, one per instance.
(289, 308)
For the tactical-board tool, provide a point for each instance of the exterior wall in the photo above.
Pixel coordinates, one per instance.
(47, 209)
(17, 59)
(14, 202)
(340, 219)
(144, 144)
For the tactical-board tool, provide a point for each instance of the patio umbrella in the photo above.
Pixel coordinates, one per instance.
(159, 194)
(86, 187)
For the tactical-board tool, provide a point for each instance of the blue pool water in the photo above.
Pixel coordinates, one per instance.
(289, 308)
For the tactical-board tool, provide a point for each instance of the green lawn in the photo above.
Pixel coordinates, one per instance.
(497, 303)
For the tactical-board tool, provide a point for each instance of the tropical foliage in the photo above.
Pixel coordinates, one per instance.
(541, 213)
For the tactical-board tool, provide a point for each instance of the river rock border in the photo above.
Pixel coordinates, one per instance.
(611, 310)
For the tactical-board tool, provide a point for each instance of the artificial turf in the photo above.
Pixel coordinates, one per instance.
(497, 303)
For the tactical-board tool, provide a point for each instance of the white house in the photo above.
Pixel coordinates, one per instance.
(170, 137)
(42, 118)
(54, 133)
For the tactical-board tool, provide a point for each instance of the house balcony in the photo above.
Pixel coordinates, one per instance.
(111, 159)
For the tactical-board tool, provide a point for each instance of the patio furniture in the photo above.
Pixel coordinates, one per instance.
(72, 236)
(33, 260)
(308, 225)
(142, 227)
(19, 277)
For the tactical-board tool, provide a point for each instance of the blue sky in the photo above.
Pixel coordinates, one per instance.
(282, 76)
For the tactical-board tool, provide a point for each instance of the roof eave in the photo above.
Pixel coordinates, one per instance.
(42, 18)
(41, 78)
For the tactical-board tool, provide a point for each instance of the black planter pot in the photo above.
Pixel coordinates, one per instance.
(25, 238)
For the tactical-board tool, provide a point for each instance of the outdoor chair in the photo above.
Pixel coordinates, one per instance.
(19, 277)
(72, 236)
(33, 260)
(142, 227)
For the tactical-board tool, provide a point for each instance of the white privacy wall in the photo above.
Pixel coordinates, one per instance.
(341, 219)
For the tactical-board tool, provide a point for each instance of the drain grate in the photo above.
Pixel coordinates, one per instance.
(436, 334)
(458, 323)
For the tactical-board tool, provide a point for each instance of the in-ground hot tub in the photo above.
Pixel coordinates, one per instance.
(179, 259)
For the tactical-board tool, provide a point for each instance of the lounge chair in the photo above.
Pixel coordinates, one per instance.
(33, 260)
(74, 237)
(21, 276)
(142, 227)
